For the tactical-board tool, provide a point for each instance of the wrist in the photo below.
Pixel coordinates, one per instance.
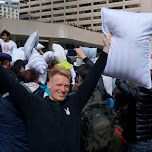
(83, 57)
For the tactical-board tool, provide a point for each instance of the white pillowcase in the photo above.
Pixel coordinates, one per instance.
(129, 54)
(59, 53)
(31, 43)
(89, 52)
(18, 54)
(49, 57)
(43, 77)
(107, 81)
(39, 46)
(37, 62)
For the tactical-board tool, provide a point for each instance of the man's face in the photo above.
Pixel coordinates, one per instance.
(59, 87)
(5, 37)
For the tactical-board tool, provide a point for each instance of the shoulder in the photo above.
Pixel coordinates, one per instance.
(11, 41)
(1, 40)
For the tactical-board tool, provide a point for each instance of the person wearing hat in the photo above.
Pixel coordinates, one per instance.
(5, 60)
(7, 45)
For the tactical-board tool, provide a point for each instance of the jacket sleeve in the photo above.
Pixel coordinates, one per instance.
(88, 61)
(17, 92)
(87, 87)
(126, 88)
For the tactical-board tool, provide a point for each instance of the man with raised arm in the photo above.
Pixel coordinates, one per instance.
(54, 122)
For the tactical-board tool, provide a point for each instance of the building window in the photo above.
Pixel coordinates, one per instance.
(99, 3)
(72, 6)
(132, 6)
(118, 7)
(97, 10)
(71, 20)
(57, 15)
(22, 7)
(59, 21)
(58, 8)
(70, 0)
(23, 13)
(112, 1)
(46, 10)
(57, 2)
(84, 12)
(46, 16)
(97, 24)
(48, 3)
(84, 5)
(97, 17)
(85, 18)
(71, 13)
(37, 11)
(36, 5)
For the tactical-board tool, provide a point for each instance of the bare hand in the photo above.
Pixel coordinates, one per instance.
(107, 42)
(80, 53)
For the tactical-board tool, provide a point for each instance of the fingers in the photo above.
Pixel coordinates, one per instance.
(80, 53)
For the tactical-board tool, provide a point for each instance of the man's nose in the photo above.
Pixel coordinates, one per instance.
(62, 88)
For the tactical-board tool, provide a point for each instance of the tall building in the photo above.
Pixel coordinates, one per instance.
(9, 9)
(80, 12)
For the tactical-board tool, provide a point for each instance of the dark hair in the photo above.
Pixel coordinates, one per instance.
(20, 75)
(3, 90)
(5, 32)
(120, 98)
(30, 76)
(19, 64)
(4, 62)
(83, 70)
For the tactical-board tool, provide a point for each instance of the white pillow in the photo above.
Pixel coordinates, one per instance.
(43, 77)
(31, 43)
(49, 57)
(73, 74)
(107, 81)
(89, 52)
(59, 53)
(37, 62)
(39, 46)
(129, 54)
(18, 54)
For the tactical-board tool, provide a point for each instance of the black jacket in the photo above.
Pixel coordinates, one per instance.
(51, 128)
(139, 111)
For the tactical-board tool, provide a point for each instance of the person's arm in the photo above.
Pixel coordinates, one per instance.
(41, 52)
(17, 92)
(126, 88)
(82, 56)
(87, 87)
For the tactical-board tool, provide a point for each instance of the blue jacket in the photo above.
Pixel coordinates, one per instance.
(13, 132)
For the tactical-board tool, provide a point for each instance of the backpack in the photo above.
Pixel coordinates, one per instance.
(96, 125)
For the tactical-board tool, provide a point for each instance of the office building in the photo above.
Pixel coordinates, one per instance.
(84, 13)
(9, 9)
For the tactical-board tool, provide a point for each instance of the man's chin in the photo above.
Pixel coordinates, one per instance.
(61, 98)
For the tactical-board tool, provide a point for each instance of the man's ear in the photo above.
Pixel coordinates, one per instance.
(8, 65)
(49, 85)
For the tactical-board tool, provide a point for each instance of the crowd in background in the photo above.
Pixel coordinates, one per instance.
(22, 127)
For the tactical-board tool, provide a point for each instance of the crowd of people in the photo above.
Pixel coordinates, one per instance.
(49, 117)
(84, 27)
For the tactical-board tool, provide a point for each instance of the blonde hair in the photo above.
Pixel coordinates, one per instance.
(59, 70)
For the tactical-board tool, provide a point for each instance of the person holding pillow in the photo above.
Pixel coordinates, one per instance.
(54, 122)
